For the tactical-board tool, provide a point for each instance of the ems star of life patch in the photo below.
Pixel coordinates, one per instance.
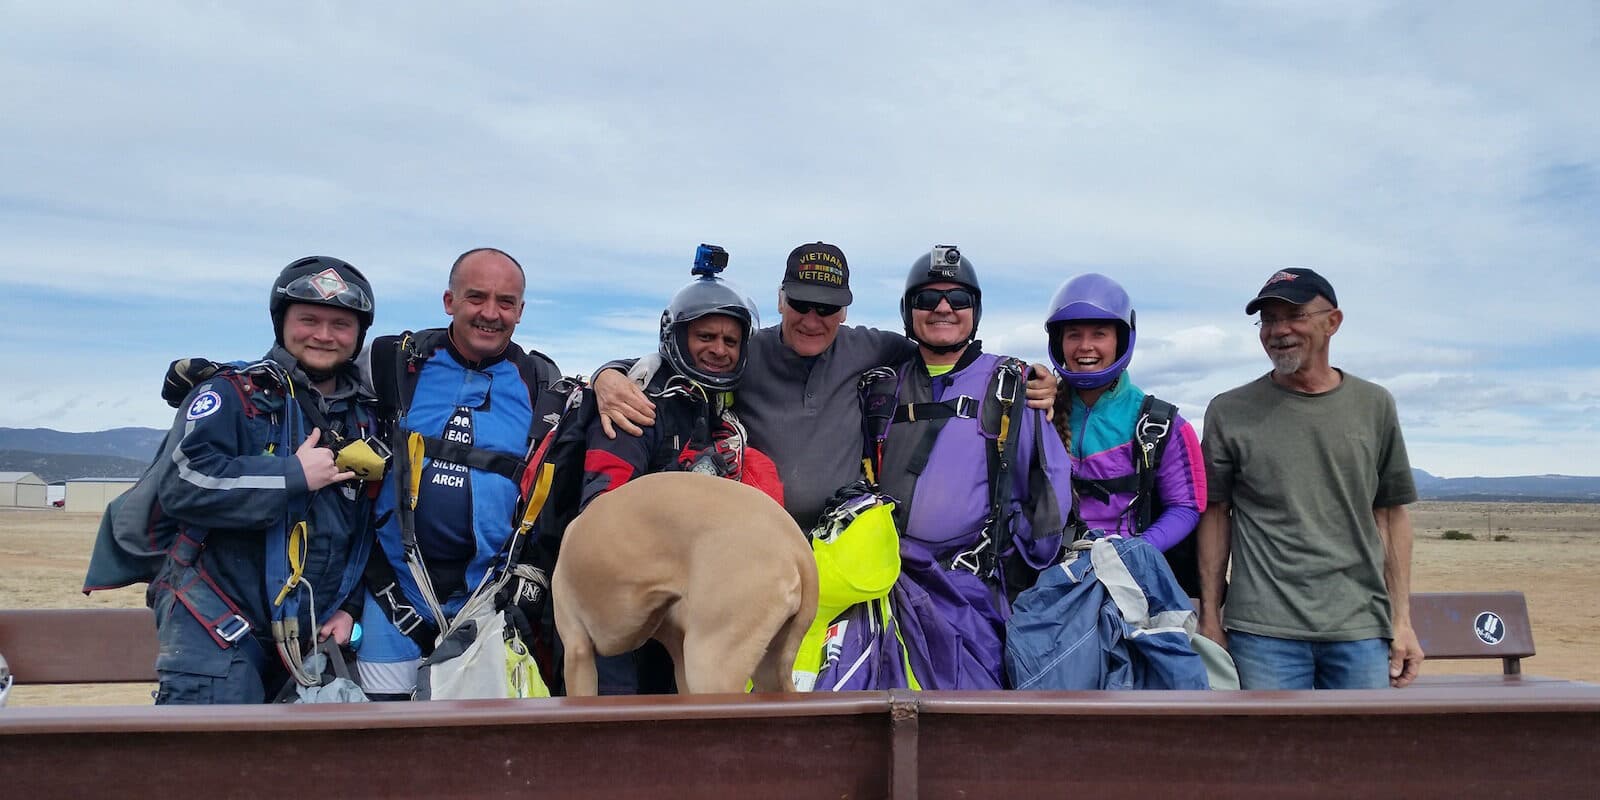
(205, 404)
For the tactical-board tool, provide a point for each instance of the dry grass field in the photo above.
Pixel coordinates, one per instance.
(1551, 552)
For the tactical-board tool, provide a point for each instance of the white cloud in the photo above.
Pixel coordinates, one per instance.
(1438, 163)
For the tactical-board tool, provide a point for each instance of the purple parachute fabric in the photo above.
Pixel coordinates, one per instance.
(943, 621)
(861, 651)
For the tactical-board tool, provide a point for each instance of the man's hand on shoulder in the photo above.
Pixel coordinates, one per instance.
(1042, 387)
(621, 404)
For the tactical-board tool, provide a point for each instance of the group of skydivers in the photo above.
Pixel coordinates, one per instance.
(283, 518)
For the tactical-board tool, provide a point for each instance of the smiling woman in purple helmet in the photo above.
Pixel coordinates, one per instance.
(1099, 414)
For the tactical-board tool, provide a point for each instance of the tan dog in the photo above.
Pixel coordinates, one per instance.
(713, 569)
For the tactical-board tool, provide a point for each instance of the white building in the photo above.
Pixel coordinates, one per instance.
(92, 494)
(23, 490)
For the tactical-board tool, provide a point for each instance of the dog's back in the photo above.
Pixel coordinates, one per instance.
(715, 570)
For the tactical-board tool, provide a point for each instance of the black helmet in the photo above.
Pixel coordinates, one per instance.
(322, 281)
(705, 295)
(943, 264)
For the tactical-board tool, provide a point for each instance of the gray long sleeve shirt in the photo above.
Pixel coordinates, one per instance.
(806, 412)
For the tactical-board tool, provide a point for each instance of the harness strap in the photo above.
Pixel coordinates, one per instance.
(1103, 488)
(963, 407)
(199, 593)
(984, 558)
(297, 561)
(877, 390)
(386, 591)
(1151, 434)
(508, 467)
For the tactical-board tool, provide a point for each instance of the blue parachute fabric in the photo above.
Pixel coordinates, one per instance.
(1111, 616)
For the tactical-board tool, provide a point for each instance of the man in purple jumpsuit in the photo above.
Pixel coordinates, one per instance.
(961, 561)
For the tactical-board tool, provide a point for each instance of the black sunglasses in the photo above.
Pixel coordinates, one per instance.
(928, 299)
(802, 308)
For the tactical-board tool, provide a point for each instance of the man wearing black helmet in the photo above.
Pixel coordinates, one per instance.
(705, 333)
(273, 531)
(983, 484)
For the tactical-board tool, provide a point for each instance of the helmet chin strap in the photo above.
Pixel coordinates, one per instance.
(943, 349)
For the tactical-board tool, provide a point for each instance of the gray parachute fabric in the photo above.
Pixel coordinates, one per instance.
(338, 689)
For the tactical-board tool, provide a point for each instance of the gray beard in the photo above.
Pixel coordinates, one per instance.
(1286, 364)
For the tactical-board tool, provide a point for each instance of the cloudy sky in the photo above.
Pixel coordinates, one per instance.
(1439, 162)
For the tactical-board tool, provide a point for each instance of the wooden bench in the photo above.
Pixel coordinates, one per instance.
(97, 645)
(119, 646)
(1474, 625)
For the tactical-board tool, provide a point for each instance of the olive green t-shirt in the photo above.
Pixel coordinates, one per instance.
(1302, 473)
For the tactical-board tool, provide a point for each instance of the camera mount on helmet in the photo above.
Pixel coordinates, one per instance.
(943, 263)
(705, 295)
(944, 260)
(709, 259)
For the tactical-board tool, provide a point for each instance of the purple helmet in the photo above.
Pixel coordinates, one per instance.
(1091, 296)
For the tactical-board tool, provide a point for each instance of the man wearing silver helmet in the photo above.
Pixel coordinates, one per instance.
(705, 334)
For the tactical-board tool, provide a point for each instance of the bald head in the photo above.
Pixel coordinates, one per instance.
(483, 255)
(484, 302)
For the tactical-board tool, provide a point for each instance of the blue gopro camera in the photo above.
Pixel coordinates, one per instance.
(709, 260)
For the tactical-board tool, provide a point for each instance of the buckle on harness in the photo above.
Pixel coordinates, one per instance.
(402, 615)
(966, 407)
(1007, 382)
(241, 626)
(1149, 435)
(976, 560)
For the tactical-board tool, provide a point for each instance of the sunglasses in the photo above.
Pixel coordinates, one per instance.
(802, 308)
(928, 299)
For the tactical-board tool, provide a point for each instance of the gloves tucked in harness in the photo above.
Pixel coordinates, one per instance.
(523, 598)
(719, 460)
(182, 376)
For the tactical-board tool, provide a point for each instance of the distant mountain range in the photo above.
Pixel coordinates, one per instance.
(1520, 489)
(57, 456)
(124, 453)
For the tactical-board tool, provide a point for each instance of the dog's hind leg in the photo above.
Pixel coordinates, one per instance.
(724, 658)
(775, 673)
(578, 669)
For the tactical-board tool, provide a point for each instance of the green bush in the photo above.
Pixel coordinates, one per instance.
(1500, 537)
(1458, 536)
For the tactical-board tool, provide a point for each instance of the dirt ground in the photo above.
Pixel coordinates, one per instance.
(1550, 552)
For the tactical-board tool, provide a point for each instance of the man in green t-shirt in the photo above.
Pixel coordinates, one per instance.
(1308, 482)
